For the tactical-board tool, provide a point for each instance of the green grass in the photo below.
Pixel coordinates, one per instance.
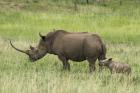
(119, 28)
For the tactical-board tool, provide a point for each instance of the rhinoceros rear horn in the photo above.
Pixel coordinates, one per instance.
(18, 49)
(43, 37)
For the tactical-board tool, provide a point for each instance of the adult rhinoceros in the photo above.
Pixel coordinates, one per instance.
(78, 46)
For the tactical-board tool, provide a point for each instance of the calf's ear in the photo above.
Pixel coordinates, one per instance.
(32, 48)
(110, 59)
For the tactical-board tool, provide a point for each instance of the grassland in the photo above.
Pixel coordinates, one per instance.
(118, 26)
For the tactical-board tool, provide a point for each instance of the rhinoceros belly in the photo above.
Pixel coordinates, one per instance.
(78, 58)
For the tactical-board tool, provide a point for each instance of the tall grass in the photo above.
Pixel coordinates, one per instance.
(19, 75)
(119, 28)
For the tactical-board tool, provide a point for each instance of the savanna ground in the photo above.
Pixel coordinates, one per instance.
(119, 26)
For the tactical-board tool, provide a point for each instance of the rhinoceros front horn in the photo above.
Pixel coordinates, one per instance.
(18, 49)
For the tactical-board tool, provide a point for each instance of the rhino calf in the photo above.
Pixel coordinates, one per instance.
(115, 67)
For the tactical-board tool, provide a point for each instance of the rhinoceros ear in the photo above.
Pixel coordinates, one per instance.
(43, 37)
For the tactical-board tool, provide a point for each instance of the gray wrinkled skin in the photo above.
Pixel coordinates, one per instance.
(77, 47)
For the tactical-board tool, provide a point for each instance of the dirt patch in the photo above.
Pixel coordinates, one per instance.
(11, 5)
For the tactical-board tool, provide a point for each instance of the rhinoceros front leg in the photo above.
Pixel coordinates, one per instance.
(92, 64)
(66, 65)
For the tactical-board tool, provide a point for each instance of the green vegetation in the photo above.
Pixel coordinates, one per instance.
(22, 21)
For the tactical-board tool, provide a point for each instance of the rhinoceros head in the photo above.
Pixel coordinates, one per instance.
(40, 51)
(34, 53)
